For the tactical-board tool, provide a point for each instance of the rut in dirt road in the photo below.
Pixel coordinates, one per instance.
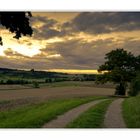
(113, 117)
(62, 120)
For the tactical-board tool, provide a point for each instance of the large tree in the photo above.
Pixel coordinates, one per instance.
(120, 67)
(17, 23)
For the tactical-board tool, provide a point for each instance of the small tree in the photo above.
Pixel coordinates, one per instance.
(120, 67)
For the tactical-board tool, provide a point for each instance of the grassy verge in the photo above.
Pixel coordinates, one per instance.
(92, 118)
(131, 112)
(34, 116)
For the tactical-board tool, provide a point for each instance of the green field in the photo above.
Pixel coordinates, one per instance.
(34, 116)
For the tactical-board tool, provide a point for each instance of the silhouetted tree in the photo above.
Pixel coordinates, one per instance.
(121, 67)
(32, 70)
(16, 22)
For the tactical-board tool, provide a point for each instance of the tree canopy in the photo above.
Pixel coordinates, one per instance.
(17, 23)
(121, 67)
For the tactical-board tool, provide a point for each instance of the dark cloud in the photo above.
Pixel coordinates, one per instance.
(92, 23)
(48, 29)
(47, 21)
(106, 22)
(131, 45)
(46, 33)
(82, 54)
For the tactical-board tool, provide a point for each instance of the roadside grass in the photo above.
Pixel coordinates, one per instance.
(131, 112)
(92, 118)
(34, 116)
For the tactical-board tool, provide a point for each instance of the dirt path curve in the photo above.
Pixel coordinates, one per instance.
(62, 120)
(113, 117)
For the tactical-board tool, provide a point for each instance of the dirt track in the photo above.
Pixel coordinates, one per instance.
(54, 93)
(113, 117)
(62, 120)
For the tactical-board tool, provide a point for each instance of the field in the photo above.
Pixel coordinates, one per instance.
(52, 99)
(22, 106)
(46, 102)
(59, 91)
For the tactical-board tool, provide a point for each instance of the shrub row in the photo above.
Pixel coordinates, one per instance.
(12, 82)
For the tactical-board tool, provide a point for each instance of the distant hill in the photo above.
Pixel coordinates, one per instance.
(30, 74)
(19, 76)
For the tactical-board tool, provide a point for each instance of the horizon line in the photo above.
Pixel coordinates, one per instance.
(69, 71)
(74, 71)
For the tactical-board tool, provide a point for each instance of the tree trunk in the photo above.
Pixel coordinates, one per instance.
(121, 88)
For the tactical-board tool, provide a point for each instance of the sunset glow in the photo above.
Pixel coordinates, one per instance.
(70, 42)
(71, 71)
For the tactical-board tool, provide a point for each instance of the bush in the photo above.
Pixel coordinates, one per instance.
(11, 82)
(134, 87)
(1, 82)
(49, 80)
(36, 85)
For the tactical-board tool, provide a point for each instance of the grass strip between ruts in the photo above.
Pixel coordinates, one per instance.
(92, 118)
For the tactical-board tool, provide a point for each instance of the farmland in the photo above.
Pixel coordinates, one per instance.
(18, 101)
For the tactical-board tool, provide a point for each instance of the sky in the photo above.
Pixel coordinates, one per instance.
(73, 42)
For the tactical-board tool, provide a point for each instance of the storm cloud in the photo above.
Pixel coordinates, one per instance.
(50, 28)
(106, 22)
